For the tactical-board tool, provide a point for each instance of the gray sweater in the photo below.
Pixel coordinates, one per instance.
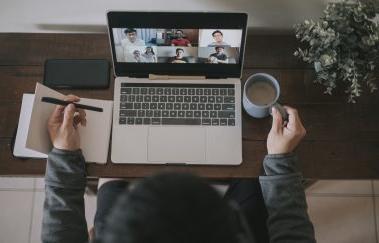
(64, 218)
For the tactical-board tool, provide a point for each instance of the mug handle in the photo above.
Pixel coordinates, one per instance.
(281, 110)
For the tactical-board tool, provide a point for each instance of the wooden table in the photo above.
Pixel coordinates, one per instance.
(342, 140)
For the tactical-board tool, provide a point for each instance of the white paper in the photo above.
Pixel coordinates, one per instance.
(94, 138)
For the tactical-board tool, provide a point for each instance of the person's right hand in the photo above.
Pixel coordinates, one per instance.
(283, 138)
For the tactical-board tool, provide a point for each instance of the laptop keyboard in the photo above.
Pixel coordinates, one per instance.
(177, 104)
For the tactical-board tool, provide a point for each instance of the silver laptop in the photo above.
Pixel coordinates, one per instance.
(177, 92)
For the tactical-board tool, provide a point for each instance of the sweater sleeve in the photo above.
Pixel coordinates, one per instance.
(63, 210)
(284, 197)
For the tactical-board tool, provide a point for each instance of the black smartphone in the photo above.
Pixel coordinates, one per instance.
(77, 73)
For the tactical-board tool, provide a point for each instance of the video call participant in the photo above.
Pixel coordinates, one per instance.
(179, 58)
(219, 56)
(218, 38)
(132, 38)
(149, 55)
(137, 56)
(180, 40)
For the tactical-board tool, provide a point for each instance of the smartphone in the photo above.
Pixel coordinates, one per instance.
(77, 73)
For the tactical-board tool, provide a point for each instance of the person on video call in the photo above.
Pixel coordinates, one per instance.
(132, 38)
(175, 207)
(179, 58)
(179, 39)
(218, 38)
(149, 55)
(137, 57)
(219, 56)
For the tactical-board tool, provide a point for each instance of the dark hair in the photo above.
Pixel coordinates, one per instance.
(178, 49)
(217, 31)
(130, 31)
(179, 30)
(217, 47)
(170, 208)
(152, 50)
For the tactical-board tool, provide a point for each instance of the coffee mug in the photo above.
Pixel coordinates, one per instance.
(260, 93)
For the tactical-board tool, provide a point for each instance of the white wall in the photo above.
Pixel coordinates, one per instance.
(89, 15)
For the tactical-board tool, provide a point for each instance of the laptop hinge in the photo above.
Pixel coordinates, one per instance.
(167, 77)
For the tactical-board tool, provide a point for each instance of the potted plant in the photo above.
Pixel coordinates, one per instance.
(342, 46)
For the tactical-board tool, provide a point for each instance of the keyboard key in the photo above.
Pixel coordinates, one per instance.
(130, 121)
(203, 99)
(199, 91)
(215, 91)
(175, 91)
(219, 99)
(171, 99)
(124, 98)
(146, 121)
(193, 106)
(126, 91)
(169, 106)
(144, 90)
(189, 113)
(197, 113)
(229, 99)
(213, 114)
(187, 99)
(228, 107)
(231, 122)
(217, 107)
(183, 91)
(141, 113)
(137, 106)
(181, 113)
(128, 113)
(122, 120)
(215, 122)
(173, 113)
(162, 98)
(180, 121)
(223, 91)
(139, 98)
(156, 121)
(185, 106)
(207, 92)
(157, 113)
(160, 91)
(149, 113)
(206, 122)
(131, 98)
(201, 106)
(205, 114)
(179, 99)
(191, 91)
(195, 99)
(153, 106)
(126, 106)
(161, 106)
(211, 99)
(223, 122)
(155, 98)
(147, 98)
(167, 91)
(226, 114)
(138, 121)
(135, 91)
(209, 106)
(165, 113)
(231, 92)
(145, 106)
(151, 91)
(177, 106)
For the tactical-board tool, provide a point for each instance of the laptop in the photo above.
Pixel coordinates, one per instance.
(177, 92)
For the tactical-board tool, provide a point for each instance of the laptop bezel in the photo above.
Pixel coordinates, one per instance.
(231, 20)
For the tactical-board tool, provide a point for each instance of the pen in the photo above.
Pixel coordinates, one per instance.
(64, 103)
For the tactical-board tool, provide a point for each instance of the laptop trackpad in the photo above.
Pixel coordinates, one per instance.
(176, 144)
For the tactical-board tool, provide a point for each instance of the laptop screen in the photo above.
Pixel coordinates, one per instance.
(146, 43)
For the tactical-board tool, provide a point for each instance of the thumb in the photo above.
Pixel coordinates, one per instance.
(68, 117)
(277, 121)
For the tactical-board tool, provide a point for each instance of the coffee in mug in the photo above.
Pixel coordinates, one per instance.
(261, 93)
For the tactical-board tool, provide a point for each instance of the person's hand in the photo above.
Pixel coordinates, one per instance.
(283, 138)
(63, 125)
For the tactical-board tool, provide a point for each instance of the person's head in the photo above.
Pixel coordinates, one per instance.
(171, 208)
(179, 52)
(149, 50)
(219, 49)
(131, 34)
(217, 36)
(136, 53)
(179, 34)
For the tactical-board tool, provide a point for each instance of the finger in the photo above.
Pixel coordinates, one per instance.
(293, 115)
(82, 116)
(277, 120)
(71, 98)
(56, 116)
(68, 117)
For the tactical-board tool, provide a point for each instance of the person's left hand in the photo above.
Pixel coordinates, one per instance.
(63, 125)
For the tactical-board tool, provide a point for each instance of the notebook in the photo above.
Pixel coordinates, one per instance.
(94, 136)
